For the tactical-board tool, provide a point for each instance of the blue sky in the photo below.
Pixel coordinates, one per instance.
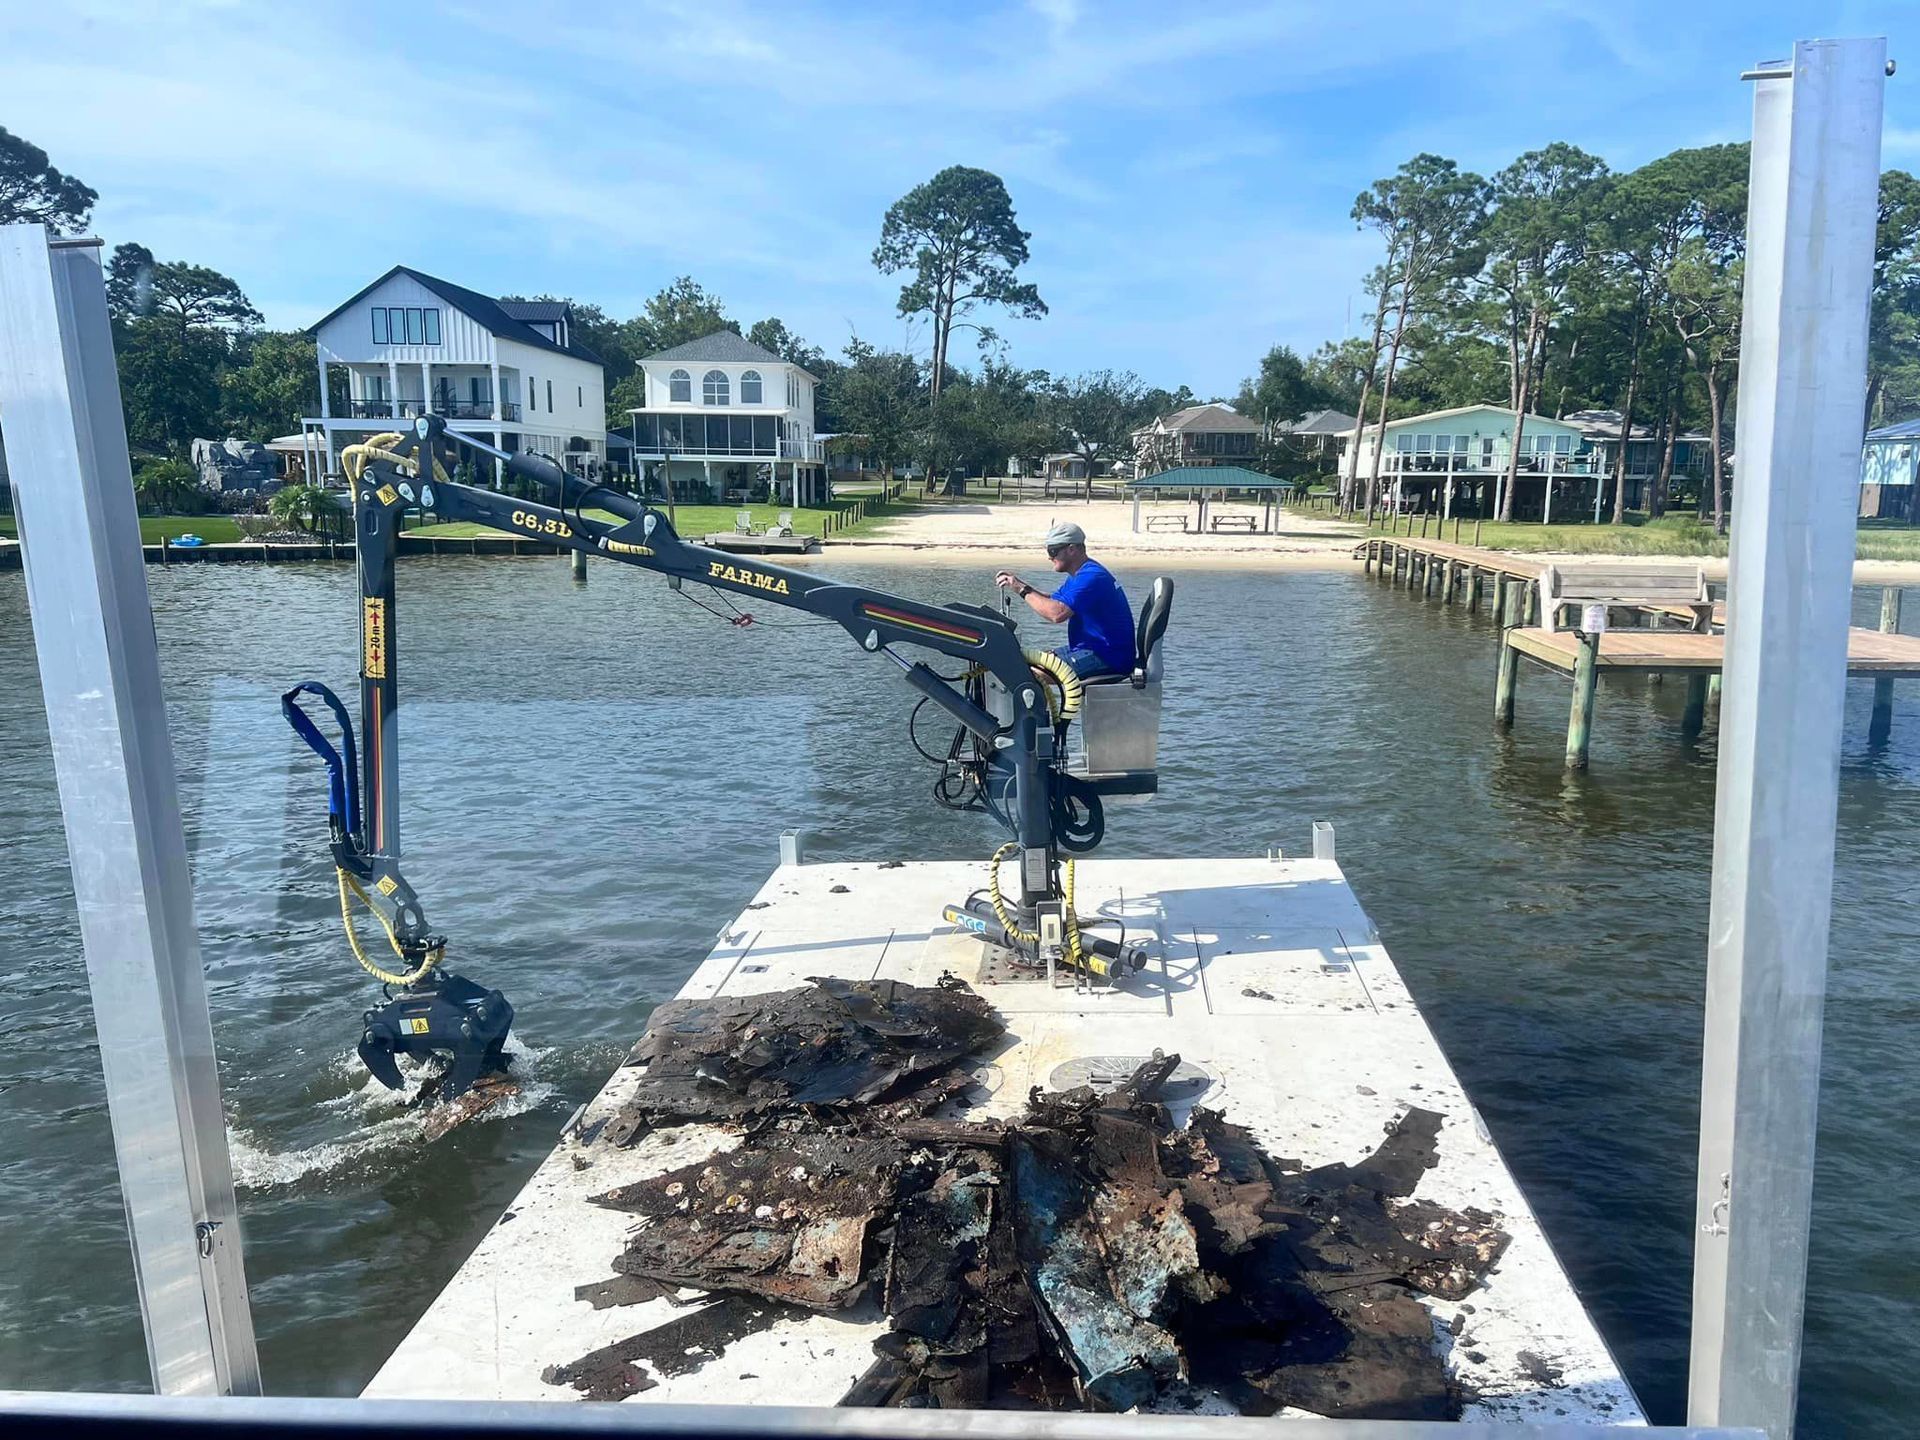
(1186, 171)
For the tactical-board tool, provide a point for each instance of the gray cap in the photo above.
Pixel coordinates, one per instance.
(1066, 533)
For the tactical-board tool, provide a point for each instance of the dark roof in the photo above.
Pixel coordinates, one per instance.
(1208, 417)
(1210, 477)
(1905, 430)
(482, 309)
(1321, 422)
(544, 312)
(722, 345)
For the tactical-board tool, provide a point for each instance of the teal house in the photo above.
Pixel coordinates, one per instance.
(1454, 459)
(1889, 468)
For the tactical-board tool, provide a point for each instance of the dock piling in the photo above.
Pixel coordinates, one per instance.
(1509, 675)
(1881, 724)
(580, 566)
(1694, 718)
(1580, 717)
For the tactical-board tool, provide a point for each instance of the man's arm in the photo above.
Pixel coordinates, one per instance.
(1053, 611)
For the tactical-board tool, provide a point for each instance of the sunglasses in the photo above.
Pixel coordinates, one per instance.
(1054, 552)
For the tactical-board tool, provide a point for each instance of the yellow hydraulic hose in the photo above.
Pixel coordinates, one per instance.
(350, 887)
(355, 458)
(1027, 937)
(1071, 686)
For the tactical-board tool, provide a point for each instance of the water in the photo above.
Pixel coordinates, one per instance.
(594, 782)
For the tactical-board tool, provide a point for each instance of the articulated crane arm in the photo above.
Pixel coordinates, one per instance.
(1006, 725)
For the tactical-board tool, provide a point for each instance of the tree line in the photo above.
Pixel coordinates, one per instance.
(1559, 285)
(1556, 285)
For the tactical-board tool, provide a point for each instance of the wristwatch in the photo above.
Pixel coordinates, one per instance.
(1025, 589)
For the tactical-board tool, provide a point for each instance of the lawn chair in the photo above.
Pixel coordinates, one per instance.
(782, 525)
(743, 522)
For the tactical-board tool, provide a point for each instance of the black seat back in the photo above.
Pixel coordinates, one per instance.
(1153, 622)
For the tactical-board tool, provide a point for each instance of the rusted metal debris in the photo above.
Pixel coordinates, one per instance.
(1088, 1256)
(784, 1219)
(829, 1044)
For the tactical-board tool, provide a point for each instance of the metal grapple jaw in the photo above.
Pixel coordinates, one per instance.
(443, 1014)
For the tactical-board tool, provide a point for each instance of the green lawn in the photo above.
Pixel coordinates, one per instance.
(155, 528)
(696, 521)
(1670, 535)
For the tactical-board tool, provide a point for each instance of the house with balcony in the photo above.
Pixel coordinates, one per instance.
(509, 372)
(1448, 459)
(1646, 453)
(1197, 435)
(724, 416)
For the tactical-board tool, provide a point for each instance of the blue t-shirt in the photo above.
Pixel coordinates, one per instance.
(1102, 621)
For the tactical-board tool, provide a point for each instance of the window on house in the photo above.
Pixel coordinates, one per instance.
(680, 388)
(433, 326)
(416, 327)
(580, 396)
(750, 387)
(713, 387)
(533, 398)
(549, 397)
(379, 325)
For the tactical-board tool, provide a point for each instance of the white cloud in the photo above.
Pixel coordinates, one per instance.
(1186, 172)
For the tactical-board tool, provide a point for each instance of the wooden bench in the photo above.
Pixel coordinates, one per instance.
(1235, 524)
(1678, 589)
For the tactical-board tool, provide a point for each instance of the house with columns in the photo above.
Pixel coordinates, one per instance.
(509, 372)
(721, 413)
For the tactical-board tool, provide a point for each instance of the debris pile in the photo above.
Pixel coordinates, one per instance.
(836, 1044)
(1089, 1255)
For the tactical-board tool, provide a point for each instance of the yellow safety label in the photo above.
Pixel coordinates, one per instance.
(388, 495)
(373, 639)
(416, 1024)
(386, 885)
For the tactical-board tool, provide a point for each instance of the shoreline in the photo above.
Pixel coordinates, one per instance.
(1307, 554)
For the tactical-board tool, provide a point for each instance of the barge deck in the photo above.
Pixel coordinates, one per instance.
(1267, 975)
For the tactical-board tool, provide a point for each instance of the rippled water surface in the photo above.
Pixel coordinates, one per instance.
(594, 781)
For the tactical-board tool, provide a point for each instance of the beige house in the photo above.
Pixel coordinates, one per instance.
(1197, 435)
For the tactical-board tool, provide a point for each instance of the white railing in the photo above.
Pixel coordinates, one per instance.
(1438, 467)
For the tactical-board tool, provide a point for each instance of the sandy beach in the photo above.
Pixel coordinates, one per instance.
(983, 533)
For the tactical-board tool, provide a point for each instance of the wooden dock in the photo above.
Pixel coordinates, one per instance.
(1885, 655)
(736, 543)
(1651, 640)
(1452, 572)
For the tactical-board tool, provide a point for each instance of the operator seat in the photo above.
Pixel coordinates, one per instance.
(1118, 734)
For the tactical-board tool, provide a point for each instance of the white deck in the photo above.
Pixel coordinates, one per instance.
(1317, 1072)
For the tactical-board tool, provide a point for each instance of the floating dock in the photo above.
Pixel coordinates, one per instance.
(738, 544)
(1266, 974)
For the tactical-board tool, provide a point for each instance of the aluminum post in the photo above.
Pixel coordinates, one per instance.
(86, 586)
(1810, 237)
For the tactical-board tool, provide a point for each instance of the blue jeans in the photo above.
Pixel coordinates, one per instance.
(1086, 664)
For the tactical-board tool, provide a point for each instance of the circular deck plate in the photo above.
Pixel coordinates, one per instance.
(1187, 1083)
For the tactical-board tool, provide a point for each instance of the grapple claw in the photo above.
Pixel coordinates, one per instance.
(443, 1014)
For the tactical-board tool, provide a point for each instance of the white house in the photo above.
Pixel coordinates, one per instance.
(507, 371)
(721, 411)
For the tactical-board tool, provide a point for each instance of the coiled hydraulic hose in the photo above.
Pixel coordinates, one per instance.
(350, 887)
(1071, 685)
(354, 459)
(1028, 937)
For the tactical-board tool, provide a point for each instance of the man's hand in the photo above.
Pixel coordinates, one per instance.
(1007, 580)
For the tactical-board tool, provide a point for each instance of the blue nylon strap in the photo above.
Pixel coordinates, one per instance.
(343, 776)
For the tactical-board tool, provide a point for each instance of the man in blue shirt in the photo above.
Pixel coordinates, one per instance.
(1099, 620)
